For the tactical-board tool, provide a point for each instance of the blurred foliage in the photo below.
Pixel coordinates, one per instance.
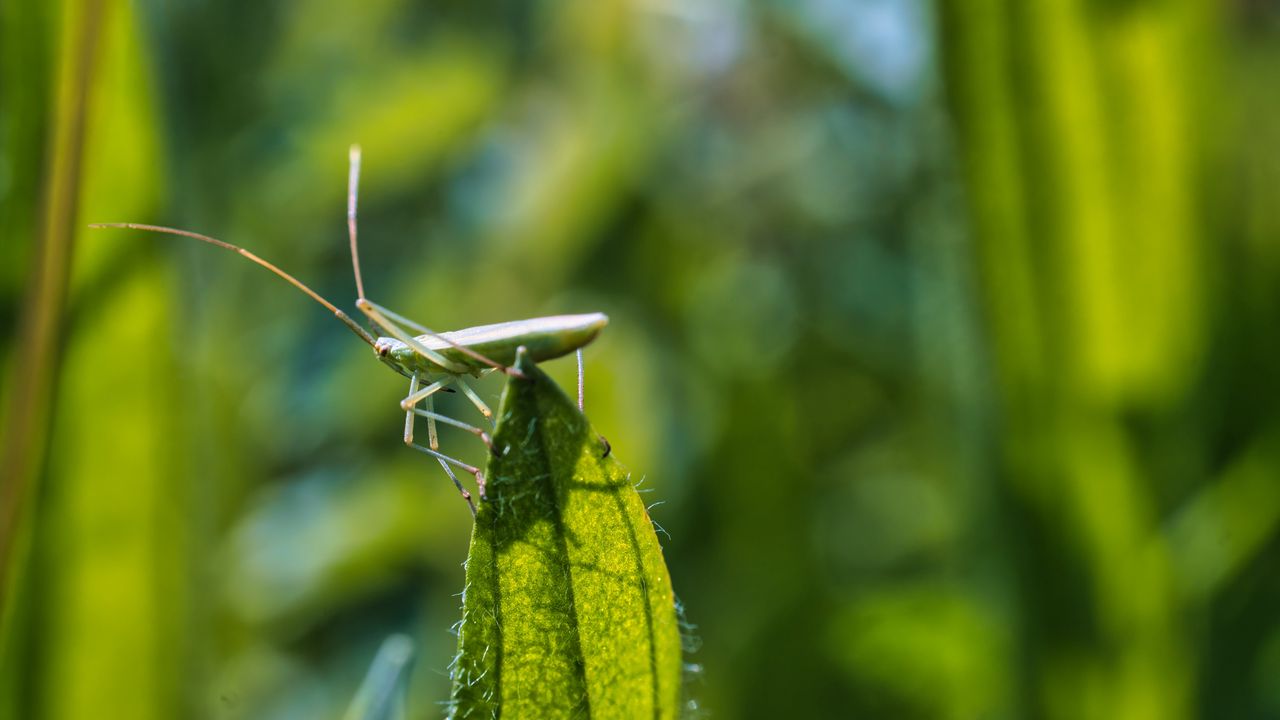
(944, 332)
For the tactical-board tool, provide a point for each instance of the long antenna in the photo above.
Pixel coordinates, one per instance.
(364, 335)
(353, 184)
(373, 310)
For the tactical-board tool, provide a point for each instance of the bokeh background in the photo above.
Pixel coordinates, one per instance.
(945, 335)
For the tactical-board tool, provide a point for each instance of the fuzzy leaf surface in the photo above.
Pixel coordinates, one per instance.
(568, 610)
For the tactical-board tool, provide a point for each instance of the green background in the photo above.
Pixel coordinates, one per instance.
(945, 333)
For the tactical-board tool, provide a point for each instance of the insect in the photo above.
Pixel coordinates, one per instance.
(434, 361)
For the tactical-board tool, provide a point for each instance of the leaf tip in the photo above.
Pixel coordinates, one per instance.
(525, 367)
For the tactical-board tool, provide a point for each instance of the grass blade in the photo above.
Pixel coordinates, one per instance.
(381, 695)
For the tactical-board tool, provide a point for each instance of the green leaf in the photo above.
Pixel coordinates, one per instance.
(568, 610)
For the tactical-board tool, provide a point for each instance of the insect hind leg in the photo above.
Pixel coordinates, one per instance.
(472, 469)
(466, 495)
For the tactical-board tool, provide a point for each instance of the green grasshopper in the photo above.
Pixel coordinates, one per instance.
(433, 361)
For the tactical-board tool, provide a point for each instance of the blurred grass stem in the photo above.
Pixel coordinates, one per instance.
(31, 382)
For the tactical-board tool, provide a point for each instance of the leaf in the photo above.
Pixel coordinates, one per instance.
(568, 609)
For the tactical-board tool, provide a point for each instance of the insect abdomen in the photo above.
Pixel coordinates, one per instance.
(546, 338)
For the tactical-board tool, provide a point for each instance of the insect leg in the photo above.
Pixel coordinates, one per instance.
(415, 395)
(604, 442)
(465, 495)
(580, 379)
(454, 461)
(431, 415)
(409, 404)
(475, 399)
(433, 438)
(408, 439)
